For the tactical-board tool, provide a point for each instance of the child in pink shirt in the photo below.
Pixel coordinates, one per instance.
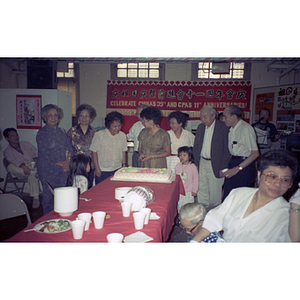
(189, 175)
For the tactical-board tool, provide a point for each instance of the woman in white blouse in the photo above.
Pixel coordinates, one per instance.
(257, 214)
(179, 137)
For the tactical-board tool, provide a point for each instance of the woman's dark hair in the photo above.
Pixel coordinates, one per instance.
(179, 116)
(89, 108)
(111, 117)
(188, 150)
(78, 166)
(278, 158)
(151, 113)
(51, 106)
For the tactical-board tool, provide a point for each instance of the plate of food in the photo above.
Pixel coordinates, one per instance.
(53, 226)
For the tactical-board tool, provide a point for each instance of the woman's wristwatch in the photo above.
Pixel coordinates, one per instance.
(294, 210)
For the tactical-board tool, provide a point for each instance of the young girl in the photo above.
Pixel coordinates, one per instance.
(80, 166)
(189, 175)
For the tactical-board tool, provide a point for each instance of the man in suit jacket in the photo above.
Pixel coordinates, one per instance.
(211, 156)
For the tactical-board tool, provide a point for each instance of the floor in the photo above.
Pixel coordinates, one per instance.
(11, 226)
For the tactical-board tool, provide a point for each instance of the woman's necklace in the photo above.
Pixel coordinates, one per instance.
(178, 134)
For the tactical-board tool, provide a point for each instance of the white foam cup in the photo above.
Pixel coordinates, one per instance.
(99, 217)
(87, 218)
(146, 211)
(126, 208)
(115, 238)
(77, 229)
(139, 218)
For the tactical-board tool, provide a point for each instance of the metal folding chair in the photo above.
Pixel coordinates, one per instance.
(14, 180)
(13, 206)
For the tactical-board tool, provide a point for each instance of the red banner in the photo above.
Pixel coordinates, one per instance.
(187, 96)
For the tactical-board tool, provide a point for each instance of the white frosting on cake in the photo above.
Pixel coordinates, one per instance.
(143, 175)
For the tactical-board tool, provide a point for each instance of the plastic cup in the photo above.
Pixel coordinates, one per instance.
(139, 218)
(115, 238)
(126, 208)
(77, 229)
(146, 211)
(99, 217)
(87, 218)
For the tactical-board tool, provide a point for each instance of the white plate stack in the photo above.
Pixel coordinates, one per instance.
(140, 197)
(65, 200)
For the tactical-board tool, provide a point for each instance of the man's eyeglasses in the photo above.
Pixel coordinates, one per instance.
(189, 230)
(273, 178)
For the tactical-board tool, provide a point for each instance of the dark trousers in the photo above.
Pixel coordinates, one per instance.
(104, 175)
(244, 178)
(135, 159)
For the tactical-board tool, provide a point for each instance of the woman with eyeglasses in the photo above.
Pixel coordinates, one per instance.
(257, 214)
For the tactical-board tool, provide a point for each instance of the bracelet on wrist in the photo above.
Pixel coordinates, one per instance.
(297, 210)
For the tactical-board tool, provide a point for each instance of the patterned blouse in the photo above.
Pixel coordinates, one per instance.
(81, 182)
(81, 142)
(53, 146)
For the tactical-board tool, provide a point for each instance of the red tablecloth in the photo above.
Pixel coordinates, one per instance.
(103, 199)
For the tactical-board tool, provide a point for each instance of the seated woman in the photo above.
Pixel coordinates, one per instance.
(256, 214)
(154, 142)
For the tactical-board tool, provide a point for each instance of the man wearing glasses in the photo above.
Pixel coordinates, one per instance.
(243, 149)
(191, 216)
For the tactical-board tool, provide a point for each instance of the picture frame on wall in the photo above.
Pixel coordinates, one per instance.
(28, 110)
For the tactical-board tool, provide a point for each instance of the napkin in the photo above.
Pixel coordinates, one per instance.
(154, 216)
(137, 237)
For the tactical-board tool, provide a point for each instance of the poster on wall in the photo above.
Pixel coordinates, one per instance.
(264, 100)
(288, 108)
(186, 96)
(28, 109)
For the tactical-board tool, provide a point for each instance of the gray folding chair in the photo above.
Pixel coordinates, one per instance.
(14, 180)
(13, 206)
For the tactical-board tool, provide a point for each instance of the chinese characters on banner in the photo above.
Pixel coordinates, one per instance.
(186, 96)
(288, 108)
(28, 109)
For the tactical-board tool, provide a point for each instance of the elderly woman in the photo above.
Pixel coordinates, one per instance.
(256, 214)
(179, 136)
(54, 154)
(81, 136)
(109, 147)
(154, 142)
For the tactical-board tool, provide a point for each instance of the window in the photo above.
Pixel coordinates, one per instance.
(68, 74)
(67, 81)
(237, 70)
(137, 71)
